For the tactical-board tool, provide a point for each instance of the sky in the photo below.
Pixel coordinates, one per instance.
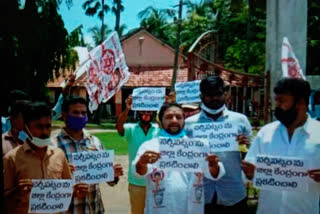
(75, 16)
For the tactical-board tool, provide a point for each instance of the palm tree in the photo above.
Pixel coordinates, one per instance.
(154, 20)
(121, 29)
(117, 9)
(93, 7)
(96, 34)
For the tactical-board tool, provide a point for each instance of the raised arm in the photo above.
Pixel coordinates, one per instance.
(123, 116)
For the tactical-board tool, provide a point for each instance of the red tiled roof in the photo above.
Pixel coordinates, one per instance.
(140, 77)
(151, 77)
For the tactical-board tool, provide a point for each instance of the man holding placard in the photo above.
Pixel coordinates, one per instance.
(176, 187)
(74, 139)
(284, 159)
(225, 130)
(35, 159)
(136, 134)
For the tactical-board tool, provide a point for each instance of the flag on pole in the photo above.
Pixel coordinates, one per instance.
(107, 71)
(289, 62)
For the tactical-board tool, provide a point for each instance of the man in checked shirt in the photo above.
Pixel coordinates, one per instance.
(73, 138)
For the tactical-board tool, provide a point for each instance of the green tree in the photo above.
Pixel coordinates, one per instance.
(96, 34)
(97, 7)
(155, 20)
(117, 8)
(33, 43)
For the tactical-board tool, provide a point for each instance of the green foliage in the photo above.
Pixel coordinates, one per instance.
(240, 33)
(313, 39)
(33, 44)
(96, 34)
(112, 140)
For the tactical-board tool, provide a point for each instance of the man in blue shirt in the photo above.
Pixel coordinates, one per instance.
(227, 195)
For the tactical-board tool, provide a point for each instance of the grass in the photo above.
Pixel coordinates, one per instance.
(105, 125)
(112, 140)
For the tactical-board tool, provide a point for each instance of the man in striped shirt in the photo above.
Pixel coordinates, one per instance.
(73, 138)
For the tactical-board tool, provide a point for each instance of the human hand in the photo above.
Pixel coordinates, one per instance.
(149, 157)
(314, 174)
(24, 187)
(213, 161)
(243, 139)
(81, 190)
(248, 169)
(118, 170)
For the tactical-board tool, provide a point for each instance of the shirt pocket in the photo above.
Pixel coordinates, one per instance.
(55, 170)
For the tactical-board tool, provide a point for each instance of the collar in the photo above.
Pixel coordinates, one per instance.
(164, 133)
(225, 114)
(26, 147)
(306, 127)
(64, 134)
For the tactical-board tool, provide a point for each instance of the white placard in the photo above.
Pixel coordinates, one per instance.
(222, 136)
(281, 173)
(182, 154)
(50, 196)
(93, 167)
(148, 99)
(188, 92)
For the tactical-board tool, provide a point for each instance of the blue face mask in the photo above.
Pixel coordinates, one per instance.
(23, 135)
(76, 123)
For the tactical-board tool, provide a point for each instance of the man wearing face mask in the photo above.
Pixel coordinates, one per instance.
(136, 134)
(35, 159)
(173, 191)
(74, 138)
(228, 194)
(294, 134)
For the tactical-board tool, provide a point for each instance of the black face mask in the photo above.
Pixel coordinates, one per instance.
(286, 117)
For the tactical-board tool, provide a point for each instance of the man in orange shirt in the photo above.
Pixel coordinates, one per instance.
(35, 159)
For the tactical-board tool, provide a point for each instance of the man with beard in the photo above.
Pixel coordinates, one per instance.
(172, 191)
(228, 195)
(136, 134)
(296, 135)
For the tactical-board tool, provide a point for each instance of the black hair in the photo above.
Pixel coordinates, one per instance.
(36, 111)
(298, 88)
(165, 107)
(18, 95)
(71, 100)
(19, 106)
(212, 83)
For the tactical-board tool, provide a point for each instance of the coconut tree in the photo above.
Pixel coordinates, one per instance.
(96, 34)
(96, 7)
(117, 9)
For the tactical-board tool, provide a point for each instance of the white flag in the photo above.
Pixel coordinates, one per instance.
(289, 62)
(107, 71)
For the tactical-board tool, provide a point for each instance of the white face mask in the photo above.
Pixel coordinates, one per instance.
(317, 110)
(39, 142)
(212, 111)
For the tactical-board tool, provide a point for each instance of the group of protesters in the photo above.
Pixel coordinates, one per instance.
(29, 152)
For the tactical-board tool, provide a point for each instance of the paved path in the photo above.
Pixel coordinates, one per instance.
(116, 198)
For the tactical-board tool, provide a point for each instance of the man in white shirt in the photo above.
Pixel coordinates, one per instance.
(296, 135)
(171, 192)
